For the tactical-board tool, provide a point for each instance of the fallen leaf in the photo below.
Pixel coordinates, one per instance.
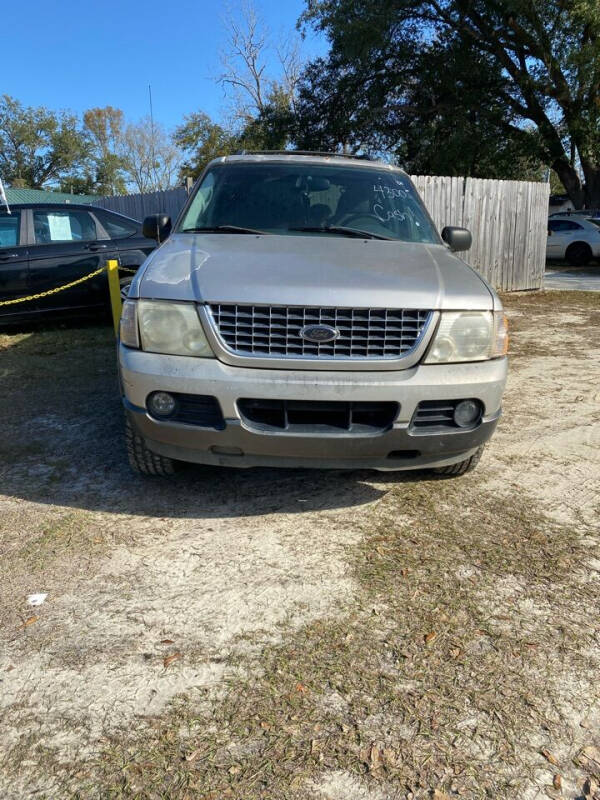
(557, 781)
(549, 757)
(429, 637)
(170, 659)
(374, 757)
(265, 726)
(439, 795)
(234, 770)
(455, 652)
(301, 688)
(167, 641)
(29, 621)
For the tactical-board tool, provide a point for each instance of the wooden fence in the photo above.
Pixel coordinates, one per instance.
(138, 206)
(508, 221)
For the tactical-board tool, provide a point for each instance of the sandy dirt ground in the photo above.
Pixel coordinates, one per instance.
(412, 637)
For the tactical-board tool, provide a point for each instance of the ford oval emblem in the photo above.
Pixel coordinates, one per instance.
(319, 334)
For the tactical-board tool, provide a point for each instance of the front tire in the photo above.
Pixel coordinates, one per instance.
(579, 254)
(141, 459)
(454, 470)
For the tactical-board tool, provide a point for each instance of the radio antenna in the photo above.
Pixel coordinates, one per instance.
(152, 133)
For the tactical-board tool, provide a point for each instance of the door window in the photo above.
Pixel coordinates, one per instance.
(116, 226)
(10, 225)
(61, 225)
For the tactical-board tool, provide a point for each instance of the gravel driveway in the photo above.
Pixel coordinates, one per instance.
(295, 634)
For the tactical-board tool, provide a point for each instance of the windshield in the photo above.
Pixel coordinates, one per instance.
(308, 199)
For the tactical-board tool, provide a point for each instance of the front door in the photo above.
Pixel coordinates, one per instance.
(66, 247)
(13, 264)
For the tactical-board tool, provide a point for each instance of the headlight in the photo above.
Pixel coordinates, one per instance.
(469, 336)
(164, 327)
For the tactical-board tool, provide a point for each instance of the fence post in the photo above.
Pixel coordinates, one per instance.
(114, 287)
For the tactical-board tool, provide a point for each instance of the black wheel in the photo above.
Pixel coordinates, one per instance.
(463, 466)
(579, 254)
(143, 460)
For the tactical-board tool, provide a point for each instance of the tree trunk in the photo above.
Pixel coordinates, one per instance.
(592, 184)
(571, 181)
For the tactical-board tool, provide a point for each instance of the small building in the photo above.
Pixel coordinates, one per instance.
(14, 196)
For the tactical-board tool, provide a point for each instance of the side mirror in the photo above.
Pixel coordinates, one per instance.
(457, 239)
(157, 226)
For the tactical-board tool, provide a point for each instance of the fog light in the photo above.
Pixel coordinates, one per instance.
(467, 413)
(161, 404)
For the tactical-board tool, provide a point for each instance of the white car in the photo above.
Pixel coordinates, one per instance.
(574, 238)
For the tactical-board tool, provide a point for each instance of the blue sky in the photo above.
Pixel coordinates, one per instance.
(76, 54)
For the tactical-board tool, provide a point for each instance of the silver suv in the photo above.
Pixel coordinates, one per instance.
(305, 312)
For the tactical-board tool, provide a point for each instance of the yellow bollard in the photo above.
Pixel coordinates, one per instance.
(114, 287)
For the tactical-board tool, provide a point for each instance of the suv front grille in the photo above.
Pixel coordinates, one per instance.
(365, 333)
(316, 416)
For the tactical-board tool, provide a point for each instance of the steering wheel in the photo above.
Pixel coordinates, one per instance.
(352, 216)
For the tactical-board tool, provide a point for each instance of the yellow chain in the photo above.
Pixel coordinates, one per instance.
(60, 288)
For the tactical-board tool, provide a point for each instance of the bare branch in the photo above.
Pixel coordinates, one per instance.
(244, 62)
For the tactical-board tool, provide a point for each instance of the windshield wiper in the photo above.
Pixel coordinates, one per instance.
(224, 229)
(342, 231)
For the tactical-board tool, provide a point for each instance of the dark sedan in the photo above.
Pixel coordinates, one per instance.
(45, 246)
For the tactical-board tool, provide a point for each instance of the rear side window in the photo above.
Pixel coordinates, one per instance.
(61, 225)
(10, 226)
(116, 227)
(564, 225)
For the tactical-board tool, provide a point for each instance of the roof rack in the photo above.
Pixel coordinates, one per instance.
(301, 153)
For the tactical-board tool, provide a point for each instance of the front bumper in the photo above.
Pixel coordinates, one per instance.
(241, 445)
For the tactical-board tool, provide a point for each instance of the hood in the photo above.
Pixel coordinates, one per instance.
(310, 270)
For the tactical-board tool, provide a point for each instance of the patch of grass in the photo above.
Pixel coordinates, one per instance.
(537, 309)
(432, 680)
(67, 533)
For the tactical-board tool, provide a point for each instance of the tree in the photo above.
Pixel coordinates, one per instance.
(201, 140)
(77, 184)
(149, 160)
(543, 57)
(262, 100)
(104, 129)
(37, 146)
(451, 120)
